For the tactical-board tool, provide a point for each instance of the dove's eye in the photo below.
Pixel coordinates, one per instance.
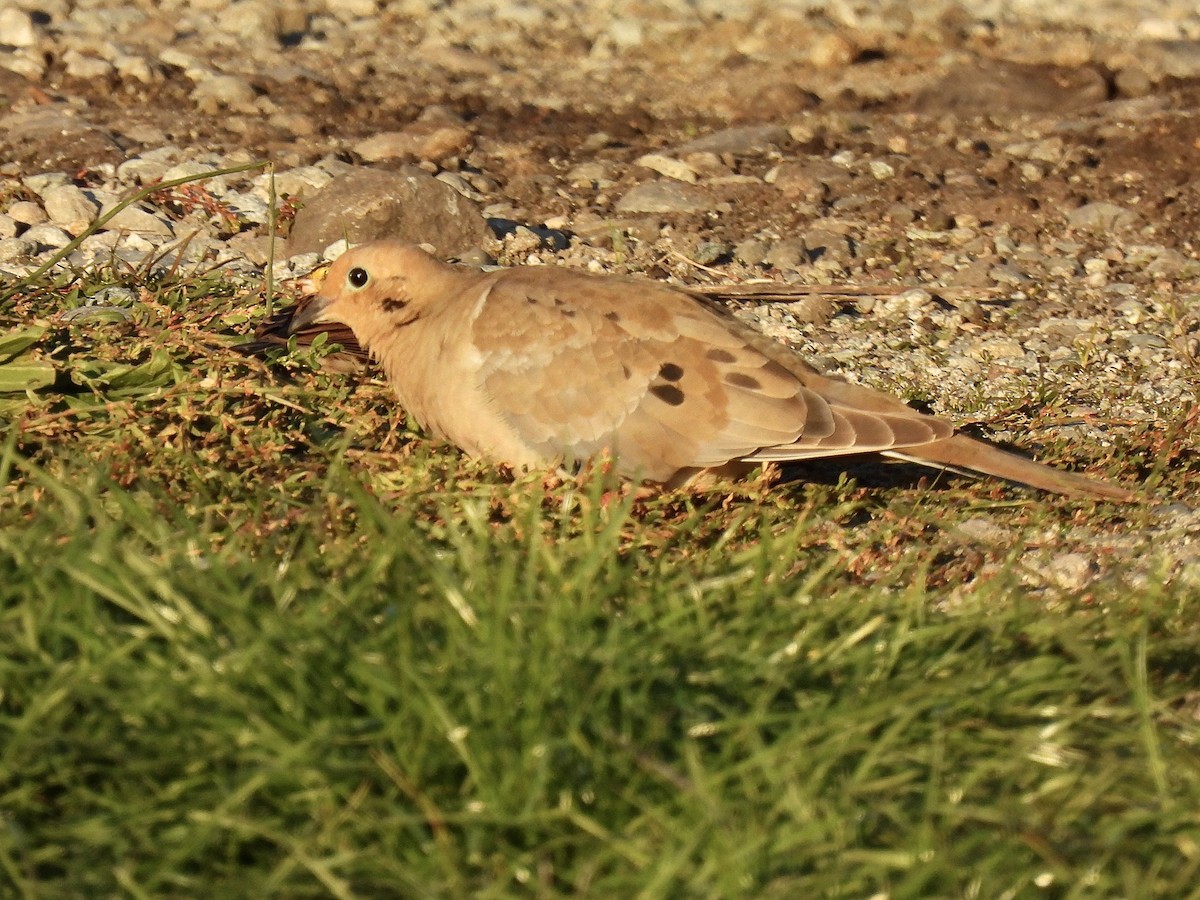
(358, 277)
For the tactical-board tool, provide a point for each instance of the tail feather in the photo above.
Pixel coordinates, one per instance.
(962, 453)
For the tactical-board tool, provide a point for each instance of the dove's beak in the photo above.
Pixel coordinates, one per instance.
(308, 312)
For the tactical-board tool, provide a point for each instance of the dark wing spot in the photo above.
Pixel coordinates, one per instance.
(569, 313)
(667, 393)
(559, 301)
(613, 316)
(626, 371)
(670, 371)
(742, 380)
(393, 304)
(530, 299)
(716, 354)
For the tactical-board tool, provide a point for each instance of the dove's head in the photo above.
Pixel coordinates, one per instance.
(375, 289)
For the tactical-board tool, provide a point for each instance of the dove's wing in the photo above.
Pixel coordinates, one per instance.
(578, 364)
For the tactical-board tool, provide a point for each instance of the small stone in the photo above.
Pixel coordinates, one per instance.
(789, 253)
(141, 170)
(1007, 273)
(461, 185)
(52, 139)
(824, 243)
(300, 182)
(135, 67)
(708, 252)
(664, 197)
(1063, 267)
(201, 171)
(997, 348)
(1133, 82)
(812, 310)
(704, 162)
(608, 233)
(985, 530)
(808, 181)
(16, 248)
(906, 303)
(1067, 571)
(1031, 172)
(8, 227)
(69, 208)
(832, 51)
(422, 141)
(16, 27)
(1049, 150)
(368, 204)
(248, 207)
(1168, 264)
(26, 212)
(743, 140)
(1101, 217)
(349, 10)
(136, 221)
(752, 252)
(47, 236)
(219, 92)
(666, 165)
(522, 240)
(880, 170)
(79, 65)
(594, 175)
(255, 247)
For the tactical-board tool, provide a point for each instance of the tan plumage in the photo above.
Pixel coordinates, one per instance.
(534, 366)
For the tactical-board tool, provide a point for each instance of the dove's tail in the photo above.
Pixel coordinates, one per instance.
(965, 454)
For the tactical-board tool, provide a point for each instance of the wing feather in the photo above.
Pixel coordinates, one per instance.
(665, 381)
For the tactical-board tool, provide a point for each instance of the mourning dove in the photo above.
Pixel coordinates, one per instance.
(538, 366)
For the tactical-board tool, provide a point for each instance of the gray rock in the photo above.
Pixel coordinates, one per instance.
(368, 204)
(752, 252)
(1180, 59)
(142, 169)
(591, 174)
(69, 208)
(47, 236)
(665, 197)
(743, 140)
(422, 140)
(600, 232)
(1101, 217)
(135, 220)
(991, 87)
(80, 65)
(823, 243)
(302, 182)
(708, 252)
(789, 253)
(1008, 274)
(8, 227)
(192, 168)
(224, 92)
(49, 139)
(26, 212)
(669, 166)
(16, 27)
(16, 248)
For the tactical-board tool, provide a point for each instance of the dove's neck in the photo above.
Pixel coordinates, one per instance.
(427, 351)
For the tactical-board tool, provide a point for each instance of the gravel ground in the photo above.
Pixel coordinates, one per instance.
(1014, 189)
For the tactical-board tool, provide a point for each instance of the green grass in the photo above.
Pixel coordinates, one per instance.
(258, 641)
